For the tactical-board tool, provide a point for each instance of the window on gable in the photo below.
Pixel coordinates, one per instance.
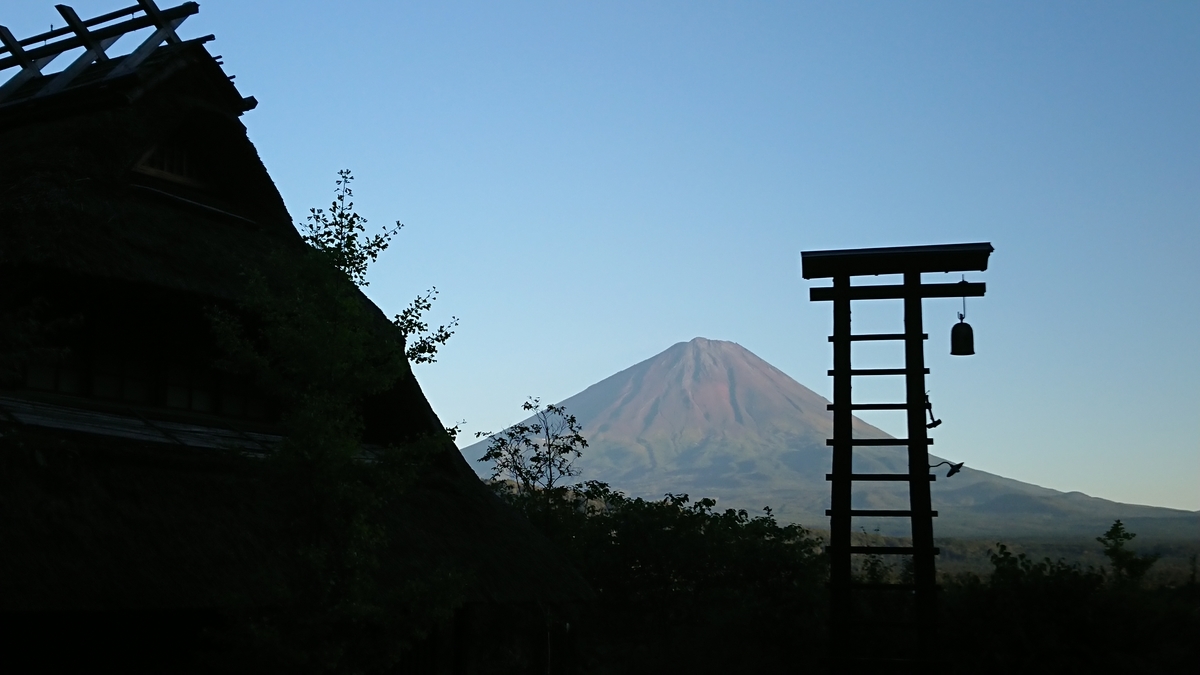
(208, 162)
(174, 162)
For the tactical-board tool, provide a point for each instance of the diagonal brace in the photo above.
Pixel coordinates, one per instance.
(30, 68)
(82, 32)
(135, 58)
(68, 75)
(164, 25)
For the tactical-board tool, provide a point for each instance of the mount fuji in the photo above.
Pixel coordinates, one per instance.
(711, 419)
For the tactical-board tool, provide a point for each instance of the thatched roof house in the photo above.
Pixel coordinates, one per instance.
(131, 202)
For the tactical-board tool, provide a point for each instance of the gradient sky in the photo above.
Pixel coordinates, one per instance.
(589, 183)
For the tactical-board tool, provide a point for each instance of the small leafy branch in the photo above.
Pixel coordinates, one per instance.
(424, 348)
(341, 233)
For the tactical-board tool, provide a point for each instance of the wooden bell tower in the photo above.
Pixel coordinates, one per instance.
(907, 612)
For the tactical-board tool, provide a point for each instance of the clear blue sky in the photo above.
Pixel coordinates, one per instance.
(589, 183)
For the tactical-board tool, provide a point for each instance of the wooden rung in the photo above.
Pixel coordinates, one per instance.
(881, 371)
(879, 477)
(877, 406)
(884, 550)
(881, 441)
(870, 337)
(881, 513)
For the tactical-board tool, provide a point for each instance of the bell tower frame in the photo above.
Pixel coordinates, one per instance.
(850, 599)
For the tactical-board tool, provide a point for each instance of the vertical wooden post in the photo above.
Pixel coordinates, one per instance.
(843, 466)
(920, 501)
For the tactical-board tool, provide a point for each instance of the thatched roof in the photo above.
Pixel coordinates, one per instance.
(96, 518)
(72, 200)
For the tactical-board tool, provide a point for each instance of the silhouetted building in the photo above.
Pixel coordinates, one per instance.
(132, 515)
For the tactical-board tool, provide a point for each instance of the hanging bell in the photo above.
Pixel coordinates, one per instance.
(962, 338)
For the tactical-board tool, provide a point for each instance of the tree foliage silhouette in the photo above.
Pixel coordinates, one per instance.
(306, 334)
(340, 236)
(1128, 567)
(539, 454)
(680, 584)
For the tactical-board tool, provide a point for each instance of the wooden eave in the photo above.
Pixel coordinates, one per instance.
(895, 260)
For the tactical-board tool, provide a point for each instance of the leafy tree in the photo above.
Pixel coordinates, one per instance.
(1012, 571)
(682, 585)
(873, 568)
(1128, 567)
(537, 455)
(340, 236)
(307, 335)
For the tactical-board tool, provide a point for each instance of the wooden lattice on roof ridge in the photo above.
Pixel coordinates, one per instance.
(95, 35)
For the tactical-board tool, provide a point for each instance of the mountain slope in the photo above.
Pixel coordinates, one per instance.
(706, 411)
(709, 418)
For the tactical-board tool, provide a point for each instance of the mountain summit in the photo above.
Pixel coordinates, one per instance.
(707, 414)
(711, 419)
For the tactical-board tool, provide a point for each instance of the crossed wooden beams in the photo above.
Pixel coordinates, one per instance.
(79, 33)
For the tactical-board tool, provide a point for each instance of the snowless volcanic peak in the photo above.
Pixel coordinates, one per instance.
(697, 389)
(695, 400)
(708, 418)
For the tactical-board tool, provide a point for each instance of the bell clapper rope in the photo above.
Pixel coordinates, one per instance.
(962, 316)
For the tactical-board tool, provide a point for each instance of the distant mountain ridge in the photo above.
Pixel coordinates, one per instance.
(711, 419)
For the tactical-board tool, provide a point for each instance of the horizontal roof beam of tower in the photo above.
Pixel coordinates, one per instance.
(50, 49)
(895, 260)
(961, 289)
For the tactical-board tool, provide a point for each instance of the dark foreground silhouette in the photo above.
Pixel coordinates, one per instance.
(684, 587)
